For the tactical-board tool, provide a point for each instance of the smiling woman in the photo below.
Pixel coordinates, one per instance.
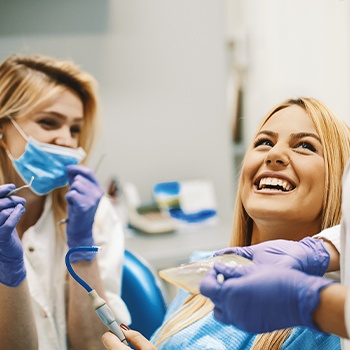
(288, 151)
(289, 188)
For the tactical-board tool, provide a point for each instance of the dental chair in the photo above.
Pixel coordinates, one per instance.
(143, 293)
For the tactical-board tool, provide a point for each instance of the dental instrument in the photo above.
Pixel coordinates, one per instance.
(63, 221)
(99, 304)
(14, 191)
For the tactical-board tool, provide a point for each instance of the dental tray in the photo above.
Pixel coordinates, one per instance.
(189, 276)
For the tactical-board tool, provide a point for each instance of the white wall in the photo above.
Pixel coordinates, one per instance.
(161, 69)
(291, 48)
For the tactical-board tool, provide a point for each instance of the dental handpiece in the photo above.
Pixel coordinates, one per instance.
(106, 315)
(99, 304)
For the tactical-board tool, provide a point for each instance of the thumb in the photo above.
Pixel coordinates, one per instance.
(13, 216)
(138, 341)
(245, 252)
(210, 286)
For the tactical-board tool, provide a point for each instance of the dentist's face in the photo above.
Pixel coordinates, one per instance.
(284, 173)
(59, 123)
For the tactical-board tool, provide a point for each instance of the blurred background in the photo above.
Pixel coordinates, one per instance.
(184, 83)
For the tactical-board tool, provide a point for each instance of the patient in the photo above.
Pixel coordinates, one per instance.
(289, 188)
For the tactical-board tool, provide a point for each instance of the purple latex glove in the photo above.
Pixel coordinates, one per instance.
(263, 298)
(83, 198)
(12, 269)
(308, 255)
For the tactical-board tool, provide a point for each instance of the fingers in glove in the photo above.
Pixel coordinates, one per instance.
(245, 252)
(5, 189)
(218, 313)
(81, 184)
(9, 219)
(210, 284)
(231, 271)
(74, 170)
(78, 194)
(11, 202)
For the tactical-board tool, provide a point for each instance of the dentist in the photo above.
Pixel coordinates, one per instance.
(48, 113)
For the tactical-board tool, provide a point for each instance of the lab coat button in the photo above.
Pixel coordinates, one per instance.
(43, 314)
(31, 249)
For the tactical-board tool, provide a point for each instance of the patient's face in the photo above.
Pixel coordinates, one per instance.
(284, 174)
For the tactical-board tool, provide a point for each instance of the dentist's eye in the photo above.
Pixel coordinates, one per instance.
(306, 145)
(75, 130)
(47, 123)
(263, 142)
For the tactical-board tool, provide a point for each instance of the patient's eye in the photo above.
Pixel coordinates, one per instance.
(306, 145)
(263, 142)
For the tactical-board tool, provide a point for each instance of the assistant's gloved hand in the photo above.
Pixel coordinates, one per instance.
(12, 269)
(263, 298)
(83, 198)
(308, 255)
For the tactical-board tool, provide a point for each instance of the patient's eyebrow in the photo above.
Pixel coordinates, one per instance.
(267, 132)
(297, 135)
(300, 135)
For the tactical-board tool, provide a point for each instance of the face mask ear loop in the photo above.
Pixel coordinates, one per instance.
(14, 123)
(9, 154)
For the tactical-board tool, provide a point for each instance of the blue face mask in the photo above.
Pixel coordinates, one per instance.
(46, 162)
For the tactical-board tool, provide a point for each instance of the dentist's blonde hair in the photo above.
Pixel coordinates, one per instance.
(335, 138)
(29, 82)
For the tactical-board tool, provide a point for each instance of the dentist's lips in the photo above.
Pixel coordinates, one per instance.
(274, 184)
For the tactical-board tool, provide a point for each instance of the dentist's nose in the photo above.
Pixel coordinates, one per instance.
(64, 138)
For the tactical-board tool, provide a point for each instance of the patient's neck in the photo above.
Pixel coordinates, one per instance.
(262, 232)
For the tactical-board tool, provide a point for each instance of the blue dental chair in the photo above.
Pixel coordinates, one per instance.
(143, 293)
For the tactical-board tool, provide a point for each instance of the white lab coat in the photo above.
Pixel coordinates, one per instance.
(345, 246)
(340, 238)
(332, 234)
(44, 255)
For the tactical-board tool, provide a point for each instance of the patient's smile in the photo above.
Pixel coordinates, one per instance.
(274, 184)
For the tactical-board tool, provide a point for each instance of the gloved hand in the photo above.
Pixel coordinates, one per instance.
(12, 269)
(83, 198)
(263, 298)
(308, 255)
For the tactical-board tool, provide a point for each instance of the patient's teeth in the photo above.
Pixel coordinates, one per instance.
(272, 181)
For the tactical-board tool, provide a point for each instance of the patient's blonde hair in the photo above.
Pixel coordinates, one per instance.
(335, 138)
(29, 82)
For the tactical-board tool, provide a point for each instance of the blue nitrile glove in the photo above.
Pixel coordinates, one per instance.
(83, 198)
(12, 269)
(308, 255)
(263, 298)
